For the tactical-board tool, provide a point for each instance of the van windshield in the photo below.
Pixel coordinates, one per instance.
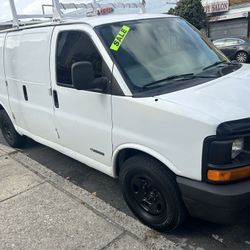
(154, 52)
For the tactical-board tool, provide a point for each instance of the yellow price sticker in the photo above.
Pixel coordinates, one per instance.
(120, 38)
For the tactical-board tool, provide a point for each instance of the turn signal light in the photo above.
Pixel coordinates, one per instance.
(229, 175)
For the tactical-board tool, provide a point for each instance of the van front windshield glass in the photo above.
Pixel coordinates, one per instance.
(155, 52)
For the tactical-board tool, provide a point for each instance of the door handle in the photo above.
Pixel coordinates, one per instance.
(55, 97)
(25, 93)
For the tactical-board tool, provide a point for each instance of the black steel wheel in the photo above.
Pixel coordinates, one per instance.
(9, 133)
(151, 192)
(147, 195)
(242, 57)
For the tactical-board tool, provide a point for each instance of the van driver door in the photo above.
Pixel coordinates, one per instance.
(83, 117)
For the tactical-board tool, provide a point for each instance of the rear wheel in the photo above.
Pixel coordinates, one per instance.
(9, 133)
(152, 194)
(242, 57)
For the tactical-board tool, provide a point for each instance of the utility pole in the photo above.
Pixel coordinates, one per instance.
(248, 26)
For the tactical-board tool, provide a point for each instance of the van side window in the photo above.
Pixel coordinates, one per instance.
(72, 47)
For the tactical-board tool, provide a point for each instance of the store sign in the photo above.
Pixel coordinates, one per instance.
(104, 11)
(215, 6)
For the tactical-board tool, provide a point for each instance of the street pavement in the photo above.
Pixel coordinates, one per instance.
(42, 210)
(57, 199)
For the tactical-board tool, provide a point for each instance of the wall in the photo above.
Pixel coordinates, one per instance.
(232, 2)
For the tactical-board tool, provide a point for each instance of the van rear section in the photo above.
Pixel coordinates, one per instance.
(4, 104)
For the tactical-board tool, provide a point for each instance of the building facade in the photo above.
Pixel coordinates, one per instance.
(228, 18)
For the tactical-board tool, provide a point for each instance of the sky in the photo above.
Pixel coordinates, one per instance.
(34, 6)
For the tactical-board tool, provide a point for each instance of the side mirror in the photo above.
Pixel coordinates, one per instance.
(83, 77)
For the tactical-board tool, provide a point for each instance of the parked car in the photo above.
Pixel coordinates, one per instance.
(234, 48)
(144, 98)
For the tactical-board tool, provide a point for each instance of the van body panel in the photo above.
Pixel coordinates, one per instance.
(66, 151)
(162, 127)
(224, 99)
(28, 76)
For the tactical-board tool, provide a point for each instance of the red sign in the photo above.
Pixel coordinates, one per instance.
(104, 10)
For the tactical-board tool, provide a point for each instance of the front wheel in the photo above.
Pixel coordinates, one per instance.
(152, 194)
(9, 133)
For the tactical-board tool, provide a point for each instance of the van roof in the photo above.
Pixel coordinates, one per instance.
(94, 21)
(106, 19)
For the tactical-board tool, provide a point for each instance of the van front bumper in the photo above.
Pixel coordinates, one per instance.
(226, 204)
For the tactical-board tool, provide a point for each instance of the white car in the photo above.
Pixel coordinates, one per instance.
(142, 97)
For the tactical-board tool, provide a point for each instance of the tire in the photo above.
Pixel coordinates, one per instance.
(242, 57)
(9, 133)
(152, 194)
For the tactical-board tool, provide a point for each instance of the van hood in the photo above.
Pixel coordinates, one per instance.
(224, 99)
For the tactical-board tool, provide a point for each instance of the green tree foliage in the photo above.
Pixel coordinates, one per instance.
(192, 11)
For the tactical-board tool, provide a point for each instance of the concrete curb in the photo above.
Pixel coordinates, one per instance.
(130, 226)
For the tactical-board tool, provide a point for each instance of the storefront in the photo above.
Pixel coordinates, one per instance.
(226, 19)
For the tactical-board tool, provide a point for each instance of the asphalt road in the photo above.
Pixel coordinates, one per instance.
(195, 234)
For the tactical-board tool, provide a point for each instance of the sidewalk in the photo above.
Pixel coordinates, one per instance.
(41, 210)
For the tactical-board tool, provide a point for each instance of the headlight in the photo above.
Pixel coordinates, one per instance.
(223, 152)
(237, 147)
(226, 160)
(226, 155)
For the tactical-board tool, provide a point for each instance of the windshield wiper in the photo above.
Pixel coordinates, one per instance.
(215, 64)
(188, 76)
(173, 77)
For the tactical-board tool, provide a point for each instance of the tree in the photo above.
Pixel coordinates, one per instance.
(192, 11)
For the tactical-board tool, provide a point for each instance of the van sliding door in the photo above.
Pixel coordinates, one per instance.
(28, 77)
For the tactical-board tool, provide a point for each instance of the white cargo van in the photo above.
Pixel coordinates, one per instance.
(142, 97)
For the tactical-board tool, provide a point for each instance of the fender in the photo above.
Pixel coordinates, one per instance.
(9, 113)
(146, 150)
